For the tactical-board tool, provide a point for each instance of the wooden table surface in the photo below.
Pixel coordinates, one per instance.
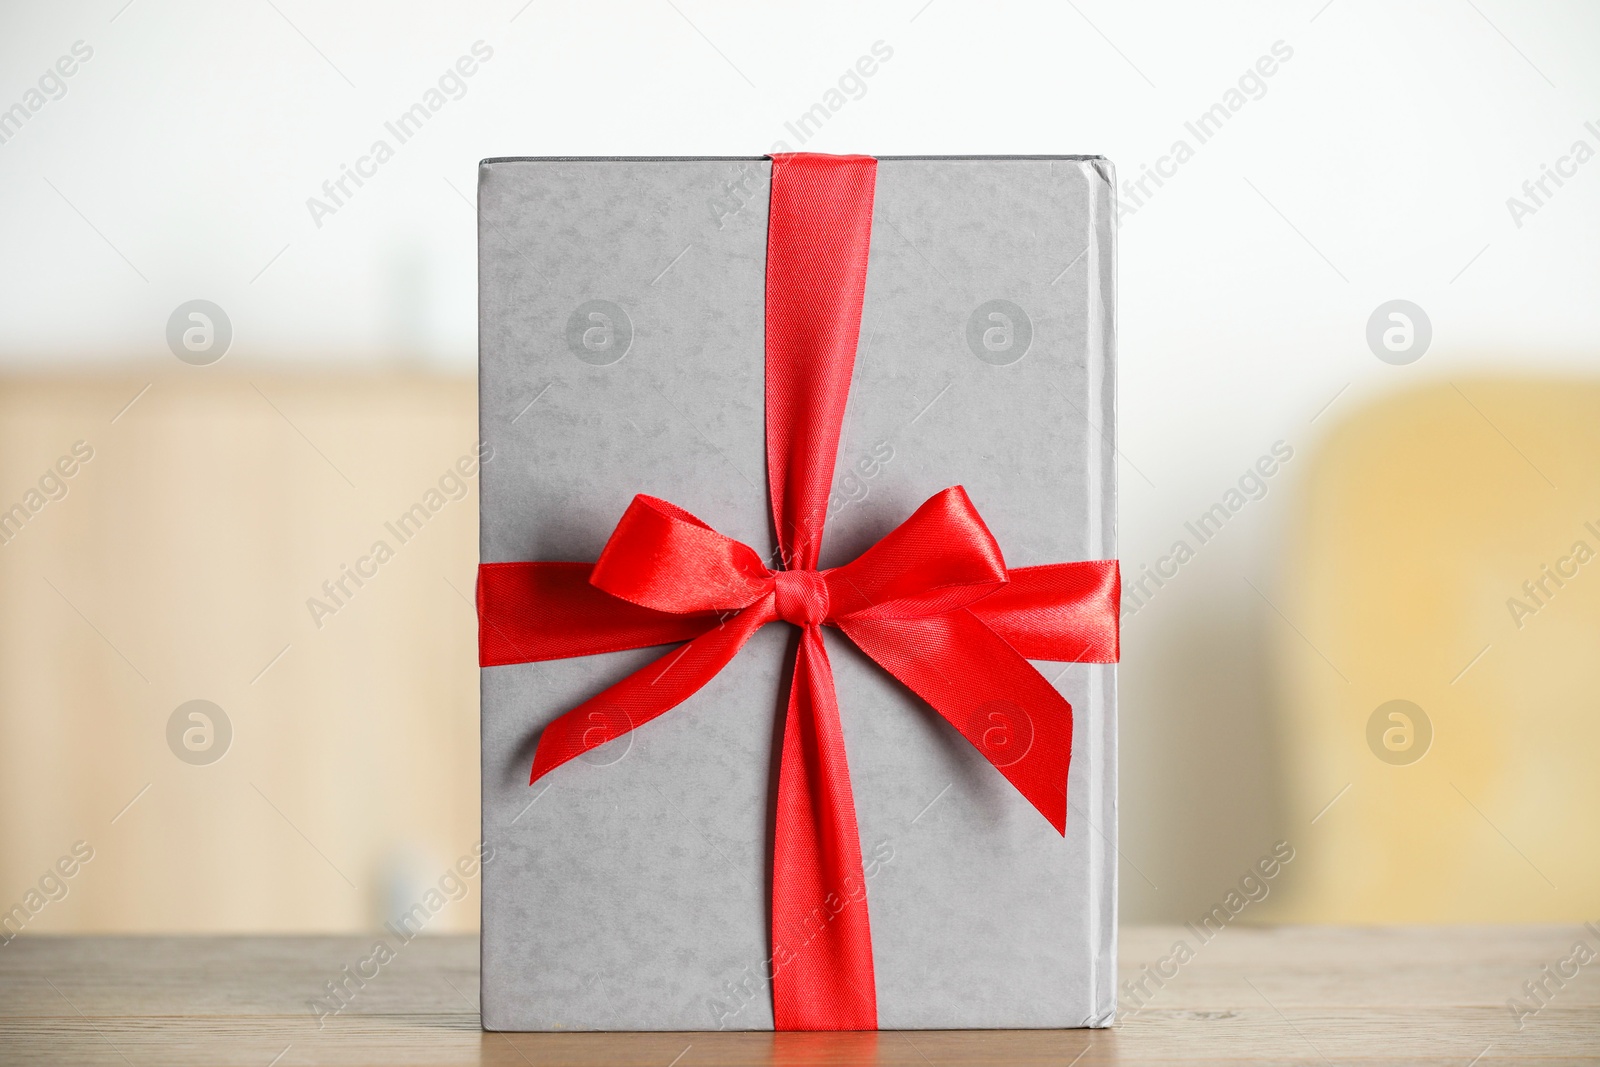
(1291, 995)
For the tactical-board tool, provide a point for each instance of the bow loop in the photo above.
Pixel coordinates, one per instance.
(941, 558)
(662, 557)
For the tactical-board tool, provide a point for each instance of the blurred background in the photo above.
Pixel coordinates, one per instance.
(1357, 247)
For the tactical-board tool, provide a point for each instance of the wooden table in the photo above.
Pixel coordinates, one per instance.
(1295, 995)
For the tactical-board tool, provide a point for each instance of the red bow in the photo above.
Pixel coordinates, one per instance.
(932, 603)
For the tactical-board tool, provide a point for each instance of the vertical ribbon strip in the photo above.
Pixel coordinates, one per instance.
(818, 235)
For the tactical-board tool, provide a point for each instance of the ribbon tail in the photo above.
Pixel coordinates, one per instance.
(653, 690)
(986, 690)
(821, 939)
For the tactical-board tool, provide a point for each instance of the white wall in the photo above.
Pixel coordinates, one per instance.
(1377, 165)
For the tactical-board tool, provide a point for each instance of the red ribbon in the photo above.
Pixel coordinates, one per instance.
(932, 603)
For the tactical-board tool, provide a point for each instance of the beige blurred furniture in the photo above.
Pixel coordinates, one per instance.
(1269, 996)
(1426, 519)
(178, 566)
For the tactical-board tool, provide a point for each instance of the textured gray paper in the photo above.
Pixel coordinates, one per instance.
(621, 352)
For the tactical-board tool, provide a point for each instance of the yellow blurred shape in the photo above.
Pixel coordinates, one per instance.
(1446, 552)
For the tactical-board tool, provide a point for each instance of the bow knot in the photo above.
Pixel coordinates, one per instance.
(802, 597)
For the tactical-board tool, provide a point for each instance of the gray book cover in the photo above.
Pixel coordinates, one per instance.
(621, 351)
